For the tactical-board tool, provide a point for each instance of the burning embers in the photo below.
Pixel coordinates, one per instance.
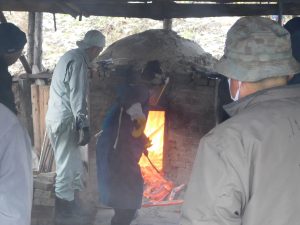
(157, 188)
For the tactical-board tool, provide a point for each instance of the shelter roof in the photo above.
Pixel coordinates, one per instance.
(155, 9)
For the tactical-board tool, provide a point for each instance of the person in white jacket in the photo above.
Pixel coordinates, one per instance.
(247, 169)
(67, 121)
(15, 171)
(15, 147)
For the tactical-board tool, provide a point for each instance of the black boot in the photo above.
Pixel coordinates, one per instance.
(65, 215)
(123, 216)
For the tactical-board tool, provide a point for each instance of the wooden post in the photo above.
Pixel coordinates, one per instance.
(280, 10)
(2, 17)
(25, 64)
(37, 51)
(167, 24)
(30, 36)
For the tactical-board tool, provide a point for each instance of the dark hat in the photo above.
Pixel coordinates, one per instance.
(130, 93)
(12, 39)
(253, 49)
(293, 25)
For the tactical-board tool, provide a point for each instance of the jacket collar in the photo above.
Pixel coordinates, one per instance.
(3, 63)
(282, 92)
(85, 56)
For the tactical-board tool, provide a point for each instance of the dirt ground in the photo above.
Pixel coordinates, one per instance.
(164, 215)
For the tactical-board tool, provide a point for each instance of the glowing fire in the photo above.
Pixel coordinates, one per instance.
(157, 187)
(155, 131)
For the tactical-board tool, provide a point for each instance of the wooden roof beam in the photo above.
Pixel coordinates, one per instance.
(190, 10)
(157, 11)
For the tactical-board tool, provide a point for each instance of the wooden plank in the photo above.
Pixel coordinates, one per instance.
(46, 97)
(42, 112)
(35, 117)
(44, 106)
(26, 106)
(42, 75)
(46, 90)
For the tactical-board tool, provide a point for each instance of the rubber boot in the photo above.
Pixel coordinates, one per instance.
(65, 214)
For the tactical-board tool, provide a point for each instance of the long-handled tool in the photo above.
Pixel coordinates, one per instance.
(151, 163)
(162, 90)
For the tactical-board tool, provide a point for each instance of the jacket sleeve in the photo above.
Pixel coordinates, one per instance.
(217, 191)
(15, 177)
(78, 82)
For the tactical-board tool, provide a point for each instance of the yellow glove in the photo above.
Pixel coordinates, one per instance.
(139, 128)
(148, 143)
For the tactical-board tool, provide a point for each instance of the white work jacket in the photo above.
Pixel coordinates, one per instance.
(247, 170)
(68, 90)
(15, 171)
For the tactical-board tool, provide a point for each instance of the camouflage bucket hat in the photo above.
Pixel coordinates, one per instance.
(257, 48)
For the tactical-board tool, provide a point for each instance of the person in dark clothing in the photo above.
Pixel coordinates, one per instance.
(119, 149)
(293, 27)
(12, 41)
(6, 94)
(223, 98)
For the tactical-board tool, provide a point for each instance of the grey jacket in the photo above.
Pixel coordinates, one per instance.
(247, 170)
(68, 91)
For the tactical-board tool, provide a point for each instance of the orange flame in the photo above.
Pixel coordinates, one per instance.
(157, 187)
(155, 131)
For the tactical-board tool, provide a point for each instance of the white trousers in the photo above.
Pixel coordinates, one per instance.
(69, 166)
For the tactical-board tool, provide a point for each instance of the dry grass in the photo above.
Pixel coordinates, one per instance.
(209, 33)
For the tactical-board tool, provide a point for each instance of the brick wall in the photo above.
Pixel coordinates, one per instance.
(190, 115)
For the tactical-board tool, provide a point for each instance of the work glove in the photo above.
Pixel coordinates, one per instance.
(148, 144)
(136, 114)
(146, 152)
(84, 136)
